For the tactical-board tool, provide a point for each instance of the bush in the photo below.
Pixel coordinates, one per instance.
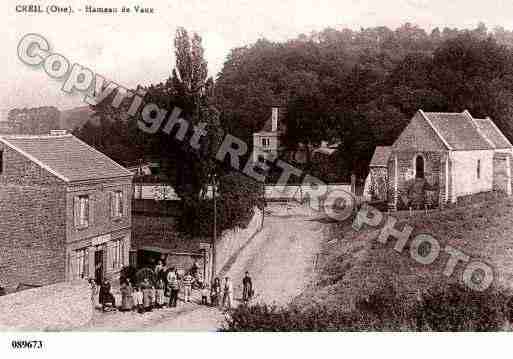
(458, 308)
(452, 308)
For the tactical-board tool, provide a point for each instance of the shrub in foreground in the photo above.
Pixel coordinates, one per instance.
(451, 308)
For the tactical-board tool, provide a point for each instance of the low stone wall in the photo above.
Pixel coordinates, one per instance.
(61, 306)
(233, 240)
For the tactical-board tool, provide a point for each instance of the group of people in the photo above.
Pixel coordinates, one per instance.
(225, 291)
(149, 295)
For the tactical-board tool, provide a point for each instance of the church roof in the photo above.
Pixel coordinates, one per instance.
(457, 130)
(381, 156)
(489, 130)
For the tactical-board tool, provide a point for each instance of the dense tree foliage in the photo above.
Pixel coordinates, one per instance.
(358, 88)
(362, 87)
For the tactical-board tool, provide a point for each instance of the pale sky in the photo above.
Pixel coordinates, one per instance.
(134, 48)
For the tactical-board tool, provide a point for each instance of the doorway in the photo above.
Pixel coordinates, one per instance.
(98, 266)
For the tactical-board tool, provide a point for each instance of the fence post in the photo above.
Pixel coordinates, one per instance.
(353, 183)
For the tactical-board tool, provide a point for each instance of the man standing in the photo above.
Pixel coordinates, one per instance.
(247, 288)
(187, 286)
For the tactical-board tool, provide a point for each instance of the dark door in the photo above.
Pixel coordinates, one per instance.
(98, 266)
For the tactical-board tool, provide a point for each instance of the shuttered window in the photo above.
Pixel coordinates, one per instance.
(79, 262)
(117, 204)
(116, 254)
(82, 211)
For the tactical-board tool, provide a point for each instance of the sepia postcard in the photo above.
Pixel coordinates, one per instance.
(255, 166)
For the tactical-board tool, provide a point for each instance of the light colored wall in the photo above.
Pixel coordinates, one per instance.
(61, 306)
(297, 192)
(271, 150)
(464, 172)
(232, 240)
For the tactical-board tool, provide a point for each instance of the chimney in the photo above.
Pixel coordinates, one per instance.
(58, 132)
(274, 119)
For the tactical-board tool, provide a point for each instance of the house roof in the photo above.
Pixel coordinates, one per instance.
(457, 130)
(381, 156)
(66, 157)
(490, 131)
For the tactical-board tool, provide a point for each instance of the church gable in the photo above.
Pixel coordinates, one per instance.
(418, 136)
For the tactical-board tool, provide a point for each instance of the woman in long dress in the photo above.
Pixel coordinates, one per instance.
(159, 293)
(94, 293)
(227, 293)
(215, 292)
(127, 301)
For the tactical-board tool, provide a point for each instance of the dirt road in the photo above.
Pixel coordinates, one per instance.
(280, 260)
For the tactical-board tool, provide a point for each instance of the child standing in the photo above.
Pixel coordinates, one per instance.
(138, 300)
(159, 294)
(187, 286)
(147, 292)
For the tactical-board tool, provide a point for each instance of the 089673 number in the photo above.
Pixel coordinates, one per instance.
(27, 344)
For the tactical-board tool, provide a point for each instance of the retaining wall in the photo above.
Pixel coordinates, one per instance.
(233, 240)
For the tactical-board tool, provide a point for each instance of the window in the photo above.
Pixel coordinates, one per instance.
(117, 204)
(266, 142)
(1, 162)
(116, 254)
(419, 167)
(80, 267)
(82, 211)
(478, 169)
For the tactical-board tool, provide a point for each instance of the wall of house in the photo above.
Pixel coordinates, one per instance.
(378, 183)
(271, 150)
(406, 173)
(502, 171)
(32, 223)
(464, 172)
(445, 180)
(419, 136)
(103, 229)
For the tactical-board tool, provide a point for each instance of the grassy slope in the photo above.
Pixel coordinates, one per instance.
(354, 265)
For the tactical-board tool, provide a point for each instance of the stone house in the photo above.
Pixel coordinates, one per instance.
(65, 211)
(441, 157)
(266, 142)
